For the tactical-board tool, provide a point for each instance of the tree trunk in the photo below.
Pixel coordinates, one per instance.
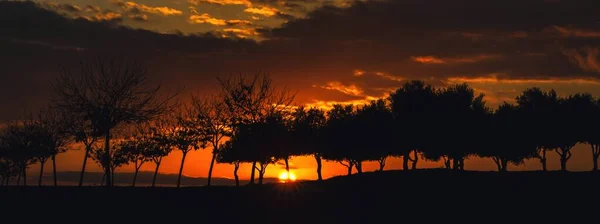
(103, 179)
(287, 165)
(455, 164)
(448, 163)
(212, 163)
(107, 159)
(156, 171)
(87, 153)
(405, 159)
(350, 165)
(415, 160)
(358, 167)
(261, 172)
(543, 159)
(42, 162)
(595, 155)
(565, 155)
(24, 175)
(181, 169)
(461, 164)
(319, 166)
(54, 170)
(497, 162)
(135, 175)
(235, 174)
(504, 165)
(252, 172)
(112, 175)
(382, 163)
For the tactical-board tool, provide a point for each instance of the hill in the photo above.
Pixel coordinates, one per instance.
(431, 195)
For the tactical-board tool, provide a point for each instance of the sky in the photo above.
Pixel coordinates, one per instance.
(337, 51)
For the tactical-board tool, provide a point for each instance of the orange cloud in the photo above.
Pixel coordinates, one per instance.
(222, 2)
(238, 22)
(389, 77)
(352, 90)
(359, 72)
(436, 60)
(206, 18)
(428, 60)
(165, 11)
(243, 33)
(494, 79)
(573, 32)
(105, 16)
(587, 61)
(265, 11)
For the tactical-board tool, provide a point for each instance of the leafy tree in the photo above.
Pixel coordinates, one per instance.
(593, 137)
(117, 157)
(413, 107)
(81, 130)
(210, 117)
(18, 143)
(338, 132)
(231, 155)
(137, 150)
(50, 137)
(159, 143)
(251, 99)
(109, 93)
(507, 139)
(374, 124)
(184, 137)
(308, 128)
(572, 112)
(540, 109)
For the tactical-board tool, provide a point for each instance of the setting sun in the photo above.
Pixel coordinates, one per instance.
(284, 176)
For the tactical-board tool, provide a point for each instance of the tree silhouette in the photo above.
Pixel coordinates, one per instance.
(338, 132)
(572, 112)
(212, 119)
(374, 124)
(413, 107)
(183, 136)
(307, 131)
(231, 155)
(81, 131)
(251, 99)
(109, 93)
(159, 143)
(116, 158)
(592, 137)
(18, 144)
(540, 109)
(51, 136)
(507, 141)
(138, 149)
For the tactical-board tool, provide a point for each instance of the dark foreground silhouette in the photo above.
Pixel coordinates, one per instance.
(395, 196)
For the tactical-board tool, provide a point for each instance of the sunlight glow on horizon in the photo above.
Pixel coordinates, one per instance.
(285, 177)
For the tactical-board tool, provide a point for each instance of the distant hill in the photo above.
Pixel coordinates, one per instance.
(70, 178)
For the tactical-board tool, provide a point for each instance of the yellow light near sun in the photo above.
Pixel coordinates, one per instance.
(285, 176)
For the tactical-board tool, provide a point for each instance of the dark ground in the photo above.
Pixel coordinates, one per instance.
(426, 196)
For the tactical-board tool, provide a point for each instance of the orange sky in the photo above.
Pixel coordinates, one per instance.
(197, 163)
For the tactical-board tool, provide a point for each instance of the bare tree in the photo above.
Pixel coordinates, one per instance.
(251, 99)
(108, 93)
(210, 117)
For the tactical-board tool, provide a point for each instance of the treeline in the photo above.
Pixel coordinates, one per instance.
(119, 118)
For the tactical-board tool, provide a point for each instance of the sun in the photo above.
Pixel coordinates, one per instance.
(284, 176)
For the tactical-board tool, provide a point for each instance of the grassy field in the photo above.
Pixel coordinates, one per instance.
(398, 196)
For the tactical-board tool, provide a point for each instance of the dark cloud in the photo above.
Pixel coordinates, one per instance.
(390, 42)
(139, 17)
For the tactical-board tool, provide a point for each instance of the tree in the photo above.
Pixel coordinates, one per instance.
(50, 137)
(118, 158)
(210, 117)
(308, 134)
(375, 129)
(540, 109)
(18, 144)
(81, 131)
(109, 93)
(251, 99)
(413, 107)
(182, 135)
(507, 140)
(138, 150)
(592, 137)
(231, 155)
(572, 112)
(337, 132)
